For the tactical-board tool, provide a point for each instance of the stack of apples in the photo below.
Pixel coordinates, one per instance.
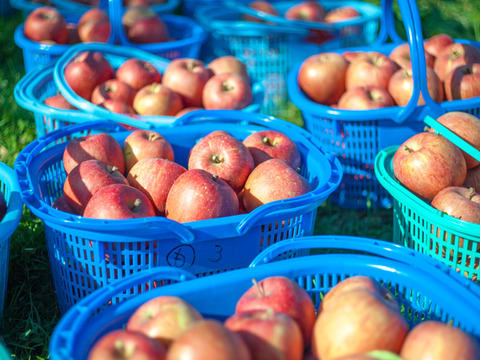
(275, 319)
(224, 176)
(366, 80)
(137, 87)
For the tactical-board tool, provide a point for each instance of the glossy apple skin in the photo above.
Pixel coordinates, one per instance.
(467, 127)
(199, 195)
(227, 91)
(370, 69)
(157, 99)
(116, 344)
(155, 177)
(94, 26)
(260, 5)
(136, 13)
(341, 13)
(163, 318)
(138, 73)
(358, 321)
(281, 294)
(148, 31)
(58, 101)
(435, 340)
(86, 179)
(459, 202)
(46, 24)
(102, 146)
(119, 201)
(113, 89)
(227, 64)
(473, 178)
(272, 144)
(225, 156)
(463, 82)
(269, 335)
(453, 56)
(117, 106)
(365, 98)
(436, 43)
(322, 77)
(307, 11)
(208, 340)
(427, 163)
(401, 56)
(62, 204)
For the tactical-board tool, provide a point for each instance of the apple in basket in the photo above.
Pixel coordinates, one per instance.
(199, 195)
(148, 31)
(401, 87)
(141, 144)
(73, 37)
(473, 178)
(365, 98)
(187, 110)
(436, 43)
(225, 156)
(3, 206)
(402, 57)
(227, 91)
(102, 146)
(463, 82)
(119, 201)
(45, 24)
(427, 163)
(306, 11)
(187, 77)
(155, 177)
(453, 56)
(281, 294)
(58, 101)
(157, 99)
(163, 318)
(117, 106)
(94, 26)
(138, 73)
(272, 144)
(459, 202)
(322, 77)
(269, 334)
(263, 6)
(429, 339)
(227, 64)
(86, 71)
(124, 344)
(113, 89)
(342, 13)
(208, 339)
(62, 204)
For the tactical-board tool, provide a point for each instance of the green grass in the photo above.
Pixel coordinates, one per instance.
(31, 311)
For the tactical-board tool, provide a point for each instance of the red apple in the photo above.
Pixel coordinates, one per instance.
(199, 195)
(358, 321)
(86, 71)
(224, 156)
(459, 202)
(138, 73)
(118, 201)
(271, 144)
(227, 91)
(141, 144)
(157, 99)
(351, 55)
(117, 106)
(322, 77)
(101, 147)
(46, 24)
(342, 13)
(401, 87)
(208, 340)
(155, 177)
(279, 293)
(187, 77)
(73, 37)
(187, 110)
(136, 13)
(270, 181)
(263, 6)
(467, 127)
(163, 318)
(61, 204)
(113, 89)
(427, 163)
(463, 82)
(228, 64)
(453, 56)
(401, 56)
(435, 340)
(365, 98)
(269, 335)
(306, 11)
(370, 69)
(58, 101)
(122, 344)
(94, 26)
(86, 179)
(436, 43)
(147, 31)
(473, 178)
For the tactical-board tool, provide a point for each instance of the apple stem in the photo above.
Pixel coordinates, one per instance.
(472, 193)
(151, 137)
(111, 169)
(137, 203)
(216, 159)
(426, 128)
(215, 177)
(226, 86)
(450, 322)
(266, 141)
(455, 54)
(406, 148)
(259, 288)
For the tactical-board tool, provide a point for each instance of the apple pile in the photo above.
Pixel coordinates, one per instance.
(224, 176)
(370, 79)
(275, 319)
(137, 87)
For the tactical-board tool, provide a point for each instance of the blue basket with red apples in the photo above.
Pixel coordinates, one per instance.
(88, 253)
(11, 207)
(81, 6)
(424, 298)
(356, 130)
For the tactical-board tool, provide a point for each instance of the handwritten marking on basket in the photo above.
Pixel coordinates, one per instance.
(219, 254)
(182, 256)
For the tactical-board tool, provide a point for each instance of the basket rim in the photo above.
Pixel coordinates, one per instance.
(10, 222)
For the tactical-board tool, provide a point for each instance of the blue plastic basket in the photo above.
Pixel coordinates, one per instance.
(167, 8)
(6, 8)
(26, 7)
(78, 247)
(269, 50)
(424, 288)
(11, 191)
(4, 353)
(357, 136)
(117, 55)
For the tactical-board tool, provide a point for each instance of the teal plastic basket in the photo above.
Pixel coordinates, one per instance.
(419, 226)
(425, 289)
(4, 353)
